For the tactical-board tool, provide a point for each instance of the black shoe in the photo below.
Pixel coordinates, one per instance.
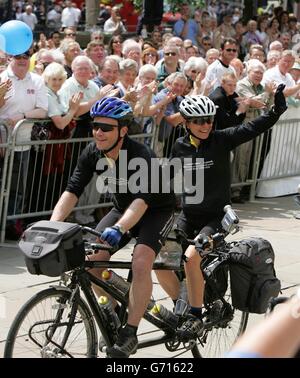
(124, 346)
(237, 199)
(190, 329)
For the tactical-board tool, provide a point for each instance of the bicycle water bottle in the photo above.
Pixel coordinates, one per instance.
(116, 281)
(112, 317)
(163, 313)
(151, 304)
(120, 284)
(182, 305)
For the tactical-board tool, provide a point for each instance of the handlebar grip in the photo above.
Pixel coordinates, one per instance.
(231, 213)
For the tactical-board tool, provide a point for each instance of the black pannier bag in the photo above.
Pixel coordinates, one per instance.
(216, 286)
(252, 275)
(52, 248)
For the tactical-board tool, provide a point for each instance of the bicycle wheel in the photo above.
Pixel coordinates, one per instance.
(218, 339)
(49, 326)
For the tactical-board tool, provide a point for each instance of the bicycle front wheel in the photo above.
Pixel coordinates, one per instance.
(49, 325)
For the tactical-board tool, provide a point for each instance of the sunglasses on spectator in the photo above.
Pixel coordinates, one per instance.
(71, 34)
(26, 55)
(170, 54)
(231, 50)
(194, 71)
(202, 120)
(105, 127)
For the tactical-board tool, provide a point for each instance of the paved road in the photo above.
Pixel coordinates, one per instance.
(272, 219)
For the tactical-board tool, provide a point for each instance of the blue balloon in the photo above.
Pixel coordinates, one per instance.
(15, 37)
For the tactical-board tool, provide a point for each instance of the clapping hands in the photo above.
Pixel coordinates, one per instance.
(108, 91)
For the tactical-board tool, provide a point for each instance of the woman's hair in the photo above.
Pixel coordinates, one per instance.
(54, 70)
(82, 59)
(147, 68)
(197, 63)
(254, 64)
(111, 41)
(149, 50)
(128, 64)
(130, 44)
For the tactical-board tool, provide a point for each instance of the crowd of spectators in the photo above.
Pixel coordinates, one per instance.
(211, 52)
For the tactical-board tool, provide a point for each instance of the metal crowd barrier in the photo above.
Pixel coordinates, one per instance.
(4, 156)
(32, 180)
(278, 158)
(33, 189)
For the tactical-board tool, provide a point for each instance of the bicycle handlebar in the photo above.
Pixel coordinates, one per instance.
(203, 244)
(207, 244)
(98, 246)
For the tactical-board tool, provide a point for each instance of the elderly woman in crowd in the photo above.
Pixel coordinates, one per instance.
(61, 114)
(128, 73)
(195, 69)
(212, 55)
(132, 50)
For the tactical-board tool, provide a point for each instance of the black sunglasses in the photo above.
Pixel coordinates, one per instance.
(231, 50)
(170, 53)
(71, 34)
(105, 127)
(202, 120)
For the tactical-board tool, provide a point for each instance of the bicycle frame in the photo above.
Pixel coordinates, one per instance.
(84, 279)
(92, 315)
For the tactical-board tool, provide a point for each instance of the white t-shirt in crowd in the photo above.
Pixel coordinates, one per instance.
(274, 74)
(215, 71)
(29, 19)
(69, 17)
(25, 95)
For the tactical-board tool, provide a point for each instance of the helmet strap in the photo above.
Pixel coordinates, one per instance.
(116, 142)
(193, 135)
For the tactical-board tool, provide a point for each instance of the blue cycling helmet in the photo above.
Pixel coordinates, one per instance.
(112, 107)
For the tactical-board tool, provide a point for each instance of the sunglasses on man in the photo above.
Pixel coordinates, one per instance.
(170, 54)
(201, 120)
(104, 127)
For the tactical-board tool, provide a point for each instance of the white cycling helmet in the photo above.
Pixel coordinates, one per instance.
(197, 106)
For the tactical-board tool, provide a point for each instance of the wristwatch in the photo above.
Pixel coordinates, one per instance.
(120, 228)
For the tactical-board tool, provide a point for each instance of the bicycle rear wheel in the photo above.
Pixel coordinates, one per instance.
(218, 339)
(49, 326)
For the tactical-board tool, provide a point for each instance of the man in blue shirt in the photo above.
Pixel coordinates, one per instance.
(186, 27)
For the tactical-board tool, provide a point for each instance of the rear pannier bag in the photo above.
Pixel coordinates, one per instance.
(52, 248)
(252, 275)
(216, 286)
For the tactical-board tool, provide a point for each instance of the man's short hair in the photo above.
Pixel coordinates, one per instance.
(229, 40)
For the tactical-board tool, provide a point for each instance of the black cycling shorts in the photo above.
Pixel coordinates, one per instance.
(204, 223)
(151, 230)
